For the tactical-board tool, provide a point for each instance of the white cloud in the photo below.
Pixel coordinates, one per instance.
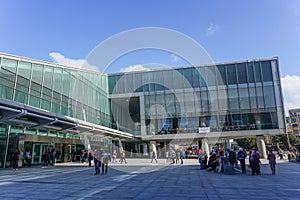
(174, 58)
(291, 92)
(212, 29)
(77, 63)
(133, 68)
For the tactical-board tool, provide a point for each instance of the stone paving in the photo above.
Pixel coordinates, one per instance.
(140, 179)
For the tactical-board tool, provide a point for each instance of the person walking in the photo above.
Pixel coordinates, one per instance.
(272, 161)
(16, 158)
(182, 156)
(90, 158)
(28, 157)
(73, 154)
(172, 156)
(114, 156)
(255, 164)
(123, 155)
(97, 161)
(280, 153)
(52, 156)
(242, 158)
(46, 158)
(104, 161)
(177, 156)
(232, 157)
(153, 156)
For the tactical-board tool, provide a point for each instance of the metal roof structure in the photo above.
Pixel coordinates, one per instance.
(21, 115)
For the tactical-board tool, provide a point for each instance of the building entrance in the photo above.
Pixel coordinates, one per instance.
(8, 145)
(37, 153)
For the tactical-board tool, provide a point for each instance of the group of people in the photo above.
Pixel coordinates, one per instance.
(48, 157)
(14, 158)
(122, 157)
(101, 159)
(176, 156)
(218, 159)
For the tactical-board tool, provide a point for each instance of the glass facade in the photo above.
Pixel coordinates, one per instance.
(66, 91)
(226, 97)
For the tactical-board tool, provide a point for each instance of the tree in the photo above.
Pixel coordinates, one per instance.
(282, 140)
(247, 143)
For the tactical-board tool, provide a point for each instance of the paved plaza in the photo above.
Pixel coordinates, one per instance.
(140, 179)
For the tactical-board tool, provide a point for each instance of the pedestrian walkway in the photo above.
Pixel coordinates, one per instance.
(135, 162)
(140, 179)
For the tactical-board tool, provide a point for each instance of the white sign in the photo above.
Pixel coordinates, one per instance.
(204, 129)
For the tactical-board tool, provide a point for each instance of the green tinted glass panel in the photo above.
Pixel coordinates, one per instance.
(231, 74)
(72, 84)
(46, 105)
(266, 71)
(66, 82)
(6, 92)
(138, 83)
(48, 76)
(189, 102)
(55, 108)
(244, 98)
(211, 76)
(257, 71)
(178, 79)
(21, 97)
(196, 83)
(250, 68)
(112, 82)
(37, 73)
(120, 84)
(9, 64)
(146, 82)
(151, 82)
(24, 69)
(260, 98)
(221, 75)
(57, 79)
(34, 101)
(252, 94)
(188, 78)
(159, 81)
(202, 77)
(269, 96)
(242, 73)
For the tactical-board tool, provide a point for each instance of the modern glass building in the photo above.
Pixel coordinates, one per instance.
(133, 110)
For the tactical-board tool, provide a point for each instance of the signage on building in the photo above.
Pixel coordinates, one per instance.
(204, 129)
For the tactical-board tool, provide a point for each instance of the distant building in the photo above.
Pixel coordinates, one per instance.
(295, 121)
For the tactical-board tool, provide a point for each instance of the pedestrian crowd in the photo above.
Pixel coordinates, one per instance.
(176, 156)
(221, 160)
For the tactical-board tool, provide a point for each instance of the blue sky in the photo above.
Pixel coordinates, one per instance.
(66, 31)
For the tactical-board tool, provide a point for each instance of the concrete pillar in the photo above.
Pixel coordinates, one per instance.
(145, 149)
(65, 153)
(120, 146)
(22, 150)
(260, 142)
(204, 145)
(142, 116)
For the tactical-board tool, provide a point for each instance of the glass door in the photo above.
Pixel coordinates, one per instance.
(36, 154)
